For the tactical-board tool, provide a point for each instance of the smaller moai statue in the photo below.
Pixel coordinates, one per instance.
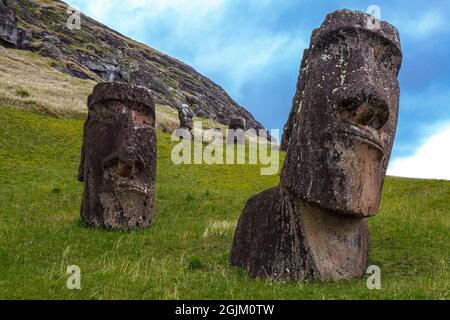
(236, 131)
(186, 115)
(237, 123)
(118, 158)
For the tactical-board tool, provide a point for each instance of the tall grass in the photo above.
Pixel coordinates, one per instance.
(184, 255)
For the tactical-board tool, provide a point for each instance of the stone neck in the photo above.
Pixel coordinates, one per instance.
(338, 245)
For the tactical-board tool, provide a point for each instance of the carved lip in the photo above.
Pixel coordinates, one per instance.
(133, 188)
(364, 135)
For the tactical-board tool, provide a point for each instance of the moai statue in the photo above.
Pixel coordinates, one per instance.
(186, 115)
(237, 123)
(118, 158)
(236, 132)
(313, 225)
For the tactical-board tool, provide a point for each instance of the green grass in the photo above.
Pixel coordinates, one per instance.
(184, 254)
(22, 93)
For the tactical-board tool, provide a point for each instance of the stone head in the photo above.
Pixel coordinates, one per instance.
(118, 163)
(186, 115)
(347, 112)
(237, 123)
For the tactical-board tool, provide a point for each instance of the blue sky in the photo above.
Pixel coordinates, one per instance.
(253, 49)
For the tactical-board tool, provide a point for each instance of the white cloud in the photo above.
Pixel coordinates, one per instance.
(429, 23)
(424, 25)
(246, 57)
(430, 161)
(202, 33)
(133, 17)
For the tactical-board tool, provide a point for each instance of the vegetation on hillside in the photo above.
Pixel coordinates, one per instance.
(99, 53)
(28, 81)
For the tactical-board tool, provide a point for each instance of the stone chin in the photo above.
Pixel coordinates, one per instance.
(348, 174)
(346, 190)
(126, 208)
(358, 177)
(126, 204)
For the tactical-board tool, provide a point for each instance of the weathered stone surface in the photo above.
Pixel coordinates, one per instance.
(281, 236)
(8, 29)
(268, 240)
(186, 116)
(118, 158)
(296, 103)
(338, 138)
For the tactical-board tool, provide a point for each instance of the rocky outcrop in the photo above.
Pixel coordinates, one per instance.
(101, 54)
(10, 34)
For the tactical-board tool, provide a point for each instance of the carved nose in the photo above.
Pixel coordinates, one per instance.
(118, 166)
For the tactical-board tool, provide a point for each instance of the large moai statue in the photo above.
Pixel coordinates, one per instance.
(341, 132)
(118, 158)
(296, 103)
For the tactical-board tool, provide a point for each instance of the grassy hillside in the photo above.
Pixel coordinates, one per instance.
(28, 81)
(99, 53)
(184, 254)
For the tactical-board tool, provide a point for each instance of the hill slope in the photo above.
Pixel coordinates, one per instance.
(184, 254)
(100, 54)
(28, 81)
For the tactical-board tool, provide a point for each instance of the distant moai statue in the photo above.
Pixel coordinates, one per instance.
(118, 158)
(186, 116)
(236, 132)
(340, 135)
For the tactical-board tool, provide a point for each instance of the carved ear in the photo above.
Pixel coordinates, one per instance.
(80, 175)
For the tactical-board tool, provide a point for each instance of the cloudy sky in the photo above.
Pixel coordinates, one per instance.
(253, 49)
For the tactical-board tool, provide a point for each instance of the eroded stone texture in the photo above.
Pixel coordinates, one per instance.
(296, 102)
(258, 244)
(118, 158)
(338, 138)
(186, 115)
